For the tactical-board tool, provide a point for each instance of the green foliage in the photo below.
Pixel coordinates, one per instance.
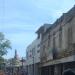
(1, 60)
(4, 45)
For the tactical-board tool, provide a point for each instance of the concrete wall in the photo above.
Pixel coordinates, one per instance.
(33, 52)
(33, 57)
(61, 27)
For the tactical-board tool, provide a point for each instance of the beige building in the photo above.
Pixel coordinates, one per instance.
(57, 51)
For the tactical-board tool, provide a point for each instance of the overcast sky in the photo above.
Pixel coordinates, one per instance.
(19, 19)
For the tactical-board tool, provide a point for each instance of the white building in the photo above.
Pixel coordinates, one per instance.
(33, 57)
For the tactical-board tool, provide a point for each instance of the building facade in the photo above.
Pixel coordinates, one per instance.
(33, 57)
(57, 51)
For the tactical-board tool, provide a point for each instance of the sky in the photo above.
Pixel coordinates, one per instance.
(19, 20)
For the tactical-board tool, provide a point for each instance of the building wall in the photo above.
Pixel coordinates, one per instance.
(29, 58)
(33, 52)
(33, 57)
(58, 41)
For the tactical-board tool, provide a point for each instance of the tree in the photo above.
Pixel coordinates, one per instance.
(4, 46)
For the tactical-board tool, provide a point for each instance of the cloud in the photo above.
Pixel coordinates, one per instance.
(19, 19)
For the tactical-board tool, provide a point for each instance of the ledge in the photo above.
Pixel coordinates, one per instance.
(58, 61)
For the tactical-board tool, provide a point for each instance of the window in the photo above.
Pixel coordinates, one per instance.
(38, 45)
(33, 52)
(49, 40)
(38, 51)
(54, 42)
(54, 51)
(70, 37)
(60, 37)
(43, 51)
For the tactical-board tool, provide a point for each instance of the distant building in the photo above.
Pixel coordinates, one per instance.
(33, 57)
(13, 65)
